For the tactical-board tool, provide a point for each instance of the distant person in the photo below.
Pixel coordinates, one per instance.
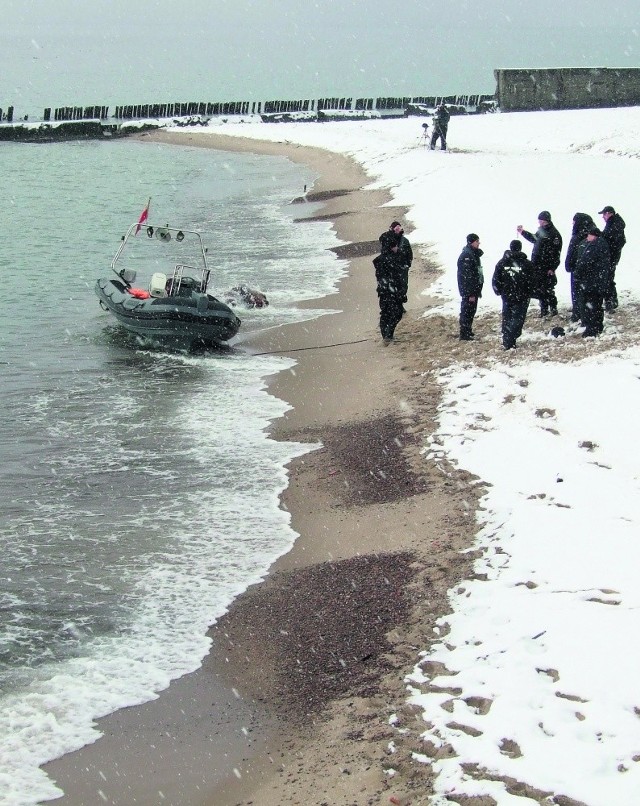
(614, 235)
(592, 273)
(392, 278)
(440, 126)
(513, 282)
(547, 245)
(582, 223)
(470, 282)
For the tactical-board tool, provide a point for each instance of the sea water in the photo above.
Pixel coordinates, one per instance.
(139, 487)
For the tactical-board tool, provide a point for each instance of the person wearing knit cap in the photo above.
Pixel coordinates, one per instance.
(591, 277)
(392, 278)
(470, 282)
(547, 245)
(513, 281)
(615, 237)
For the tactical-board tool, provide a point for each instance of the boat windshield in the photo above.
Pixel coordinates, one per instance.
(150, 251)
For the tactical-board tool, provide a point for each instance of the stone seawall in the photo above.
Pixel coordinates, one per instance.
(522, 90)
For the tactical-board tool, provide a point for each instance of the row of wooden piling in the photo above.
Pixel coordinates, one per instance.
(209, 109)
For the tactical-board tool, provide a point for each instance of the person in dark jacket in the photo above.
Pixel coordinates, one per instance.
(591, 276)
(614, 235)
(405, 259)
(582, 223)
(470, 282)
(440, 126)
(547, 245)
(513, 281)
(392, 277)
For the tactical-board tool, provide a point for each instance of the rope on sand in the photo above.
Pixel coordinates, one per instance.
(315, 347)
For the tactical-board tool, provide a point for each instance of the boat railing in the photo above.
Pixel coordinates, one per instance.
(165, 234)
(181, 281)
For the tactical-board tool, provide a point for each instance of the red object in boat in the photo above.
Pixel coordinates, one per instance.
(139, 293)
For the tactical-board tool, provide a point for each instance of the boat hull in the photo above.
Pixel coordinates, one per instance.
(187, 320)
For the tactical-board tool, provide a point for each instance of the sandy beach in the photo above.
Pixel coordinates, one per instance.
(294, 703)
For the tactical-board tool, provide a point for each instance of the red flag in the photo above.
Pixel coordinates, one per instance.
(143, 216)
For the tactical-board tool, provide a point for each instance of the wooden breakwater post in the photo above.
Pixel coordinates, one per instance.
(182, 109)
(78, 113)
(95, 121)
(178, 109)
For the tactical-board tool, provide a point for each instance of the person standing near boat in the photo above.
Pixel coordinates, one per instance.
(392, 278)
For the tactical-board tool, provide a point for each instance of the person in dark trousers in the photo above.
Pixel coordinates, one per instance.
(470, 282)
(591, 276)
(405, 259)
(440, 126)
(614, 235)
(582, 223)
(547, 245)
(392, 277)
(513, 281)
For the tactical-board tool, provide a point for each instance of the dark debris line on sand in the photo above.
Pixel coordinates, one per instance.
(319, 633)
(371, 456)
(308, 636)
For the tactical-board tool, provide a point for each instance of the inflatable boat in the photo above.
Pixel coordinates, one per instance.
(171, 306)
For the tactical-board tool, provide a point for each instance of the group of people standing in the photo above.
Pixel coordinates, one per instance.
(516, 279)
(591, 260)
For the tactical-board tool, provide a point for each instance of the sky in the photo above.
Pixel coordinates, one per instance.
(111, 52)
(543, 643)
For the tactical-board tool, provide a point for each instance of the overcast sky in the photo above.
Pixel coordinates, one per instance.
(118, 51)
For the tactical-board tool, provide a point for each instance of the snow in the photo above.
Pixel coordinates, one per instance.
(537, 663)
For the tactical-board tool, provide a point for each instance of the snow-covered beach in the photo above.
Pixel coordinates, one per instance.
(546, 639)
(525, 691)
